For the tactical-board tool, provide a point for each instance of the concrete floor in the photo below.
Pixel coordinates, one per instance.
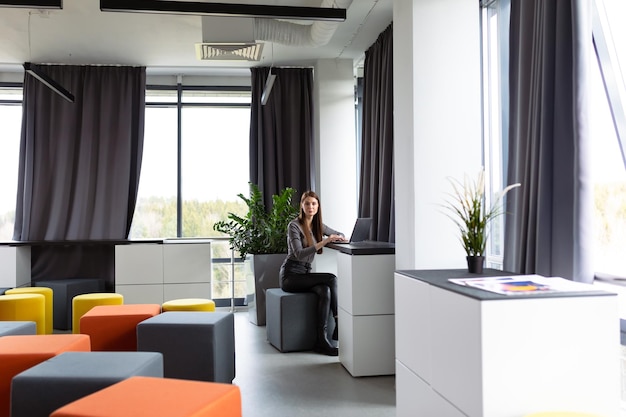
(302, 384)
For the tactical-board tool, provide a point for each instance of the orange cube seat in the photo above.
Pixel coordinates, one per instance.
(141, 396)
(21, 352)
(114, 327)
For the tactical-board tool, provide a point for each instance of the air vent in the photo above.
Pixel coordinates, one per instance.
(229, 51)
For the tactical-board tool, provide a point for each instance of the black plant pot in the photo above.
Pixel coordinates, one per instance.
(475, 264)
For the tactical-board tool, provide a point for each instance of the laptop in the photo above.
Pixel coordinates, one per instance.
(360, 232)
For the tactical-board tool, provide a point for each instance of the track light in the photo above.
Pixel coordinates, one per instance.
(269, 84)
(34, 70)
(224, 9)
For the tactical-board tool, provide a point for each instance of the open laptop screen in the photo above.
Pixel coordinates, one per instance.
(361, 229)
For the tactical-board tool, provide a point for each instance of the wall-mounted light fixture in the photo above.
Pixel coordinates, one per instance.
(36, 72)
(224, 9)
(33, 4)
(267, 90)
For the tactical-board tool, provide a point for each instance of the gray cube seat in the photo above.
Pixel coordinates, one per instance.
(65, 378)
(63, 291)
(291, 320)
(195, 345)
(17, 328)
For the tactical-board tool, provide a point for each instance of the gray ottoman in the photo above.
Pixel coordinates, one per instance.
(63, 291)
(291, 320)
(195, 345)
(17, 327)
(40, 390)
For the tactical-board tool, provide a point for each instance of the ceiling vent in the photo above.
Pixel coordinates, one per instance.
(239, 51)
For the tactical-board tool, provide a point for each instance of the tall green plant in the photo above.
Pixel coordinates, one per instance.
(260, 231)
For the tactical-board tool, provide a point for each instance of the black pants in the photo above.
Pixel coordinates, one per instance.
(321, 283)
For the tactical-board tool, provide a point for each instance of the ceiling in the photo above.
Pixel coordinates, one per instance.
(81, 34)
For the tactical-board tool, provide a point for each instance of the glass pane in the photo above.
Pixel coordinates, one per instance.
(155, 214)
(215, 166)
(609, 186)
(11, 122)
(217, 97)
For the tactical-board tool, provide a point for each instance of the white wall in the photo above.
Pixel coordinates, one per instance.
(437, 122)
(335, 143)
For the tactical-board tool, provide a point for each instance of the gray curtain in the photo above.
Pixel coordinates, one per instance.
(376, 192)
(79, 163)
(549, 219)
(281, 132)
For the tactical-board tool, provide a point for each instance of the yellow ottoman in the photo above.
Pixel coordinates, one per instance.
(189, 304)
(48, 296)
(24, 307)
(84, 302)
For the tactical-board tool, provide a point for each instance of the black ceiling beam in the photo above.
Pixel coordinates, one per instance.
(33, 4)
(224, 9)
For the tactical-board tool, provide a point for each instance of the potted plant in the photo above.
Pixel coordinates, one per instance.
(466, 207)
(260, 237)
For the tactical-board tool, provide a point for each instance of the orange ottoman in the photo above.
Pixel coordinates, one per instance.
(19, 353)
(157, 397)
(114, 327)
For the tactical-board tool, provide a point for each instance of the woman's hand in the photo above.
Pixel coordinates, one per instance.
(337, 238)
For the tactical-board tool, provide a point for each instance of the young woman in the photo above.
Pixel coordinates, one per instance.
(306, 236)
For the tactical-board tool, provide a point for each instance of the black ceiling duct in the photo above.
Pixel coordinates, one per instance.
(33, 4)
(224, 9)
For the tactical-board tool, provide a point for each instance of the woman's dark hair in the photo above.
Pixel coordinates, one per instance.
(316, 222)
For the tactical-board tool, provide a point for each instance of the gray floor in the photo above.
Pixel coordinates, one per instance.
(302, 384)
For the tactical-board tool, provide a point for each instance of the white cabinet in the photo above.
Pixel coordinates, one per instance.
(158, 272)
(366, 313)
(458, 354)
(14, 266)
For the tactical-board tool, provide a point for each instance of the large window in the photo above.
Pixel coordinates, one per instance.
(11, 122)
(495, 20)
(195, 161)
(609, 136)
(607, 122)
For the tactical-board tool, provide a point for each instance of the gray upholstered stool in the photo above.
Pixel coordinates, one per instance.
(40, 390)
(63, 291)
(291, 320)
(195, 345)
(17, 327)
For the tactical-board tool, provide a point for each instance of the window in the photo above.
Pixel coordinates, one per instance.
(495, 18)
(609, 135)
(608, 126)
(11, 122)
(195, 161)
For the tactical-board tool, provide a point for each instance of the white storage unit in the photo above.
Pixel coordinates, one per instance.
(466, 352)
(158, 272)
(14, 265)
(366, 308)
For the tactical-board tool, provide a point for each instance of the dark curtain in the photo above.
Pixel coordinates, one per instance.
(281, 132)
(79, 162)
(548, 225)
(376, 193)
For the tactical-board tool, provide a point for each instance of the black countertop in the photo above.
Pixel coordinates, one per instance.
(439, 278)
(367, 247)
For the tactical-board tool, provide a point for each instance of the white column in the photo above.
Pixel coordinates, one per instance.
(335, 142)
(437, 123)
